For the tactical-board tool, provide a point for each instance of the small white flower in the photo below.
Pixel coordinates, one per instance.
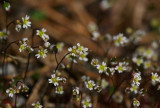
(90, 84)
(60, 46)
(59, 90)
(138, 61)
(37, 105)
(118, 97)
(147, 64)
(82, 56)
(26, 23)
(104, 83)
(4, 34)
(41, 33)
(25, 40)
(54, 80)
(104, 4)
(148, 53)
(41, 53)
(22, 47)
(29, 49)
(134, 88)
(47, 44)
(92, 26)
(120, 68)
(76, 91)
(18, 27)
(87, 103)
(136, 102)
(11, 92)
(73, 50)
(155, 78)
(102, 68)
(94, 62)
(95, 35)
(120, 40)
(137, 78)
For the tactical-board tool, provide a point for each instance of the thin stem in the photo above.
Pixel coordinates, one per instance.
(61, 61)
(56, 58)
(5, 51)
(81, 100)
(29, 56)
(15, 101)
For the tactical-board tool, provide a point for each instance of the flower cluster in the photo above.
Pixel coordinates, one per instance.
(24, 23)
(42, 34)
(78, 52)
(23, 46)
(135, 82)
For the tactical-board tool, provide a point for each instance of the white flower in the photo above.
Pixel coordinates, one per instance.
(120, 68)
(118, 97)
(73, 50)
(29, 49)
(42, 34)
(102, 67)
(148, 53)
(47, 44)
(120, 40)
(25, 40)
(6, 6)
(147, 64)
(87, 103)
(137, 78)
(104, 4)
(22, 47)
(26, 23)
(54, 80)
(92, 26)
(104, 83)
(41, 53)
(95, 35)
(4, 34)
(82, 56)
(18, 27)
(60, 46)
(11, 92)
(90, 84)
(155, 78)
(138, 61)
(134, 88)
(45, 38)
(136, 102)
(59, 90)
(94, 62)
(37, 105)
(81, 48)
(76, 91)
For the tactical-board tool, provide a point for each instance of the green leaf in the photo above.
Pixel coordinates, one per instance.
(37, 15)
